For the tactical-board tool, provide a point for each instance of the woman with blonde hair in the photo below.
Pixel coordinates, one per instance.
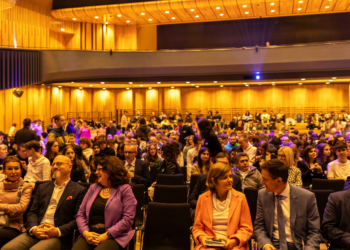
(286, 155)
(222, 212)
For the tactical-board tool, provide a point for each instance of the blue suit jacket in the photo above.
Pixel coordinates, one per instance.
(336, 220)
(304, 218)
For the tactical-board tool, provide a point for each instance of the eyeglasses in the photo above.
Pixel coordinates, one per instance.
(128, 152)
(58, 164)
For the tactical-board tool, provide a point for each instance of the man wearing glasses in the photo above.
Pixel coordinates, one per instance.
(51, 219)
(135, 166)
(340, 168)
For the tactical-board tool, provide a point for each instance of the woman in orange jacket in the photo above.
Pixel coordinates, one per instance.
(222, 212)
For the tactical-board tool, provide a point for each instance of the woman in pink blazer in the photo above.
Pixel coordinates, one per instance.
(222, 213)
(107, 212)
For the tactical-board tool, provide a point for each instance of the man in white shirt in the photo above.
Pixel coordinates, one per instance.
(265, 120)
(51, 219)
(247, 148)
(124, 121)
(38, 168)
(192, 153)
(340, 168)
(287, 216)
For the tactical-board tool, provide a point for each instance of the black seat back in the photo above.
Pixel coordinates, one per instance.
(184, 172)
(167, 227)
(170, 179)
(139, 193)
(252, 198)
(322, 199)
(170, 194)
(85, 184)
(153, 173)
(324, 184)
(194, 178)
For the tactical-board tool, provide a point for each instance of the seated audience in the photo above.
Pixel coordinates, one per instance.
(260, 157)
(184, 131)
(52, 150)
(335, 224)
(77, 171)
(38, 168)
(86, 144)
(104, 149)
(203, 163)
(152, 157)
(340, 168)
(247, 148)
(22, 156)
(143, 130)
(249, 175)
(15, 197)
(51, 219)
(192, 153)
(290, 222)
(106, 215)
(233, 143)
(211, 141)
(59, 134)
(120, 151)
(138, 168)
(286, 155)
(71, 139)
(82, 159)
(169, 164)
(222, 212)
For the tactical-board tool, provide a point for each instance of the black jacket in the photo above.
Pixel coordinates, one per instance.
(141, 174)
(201, 188)
(65, 212)
(188, 118)
(169, 168)
(143, 131)
(184, 132)
(213, 144)
(24, 135)
(307, 175)
(111, 130)
(108, 151)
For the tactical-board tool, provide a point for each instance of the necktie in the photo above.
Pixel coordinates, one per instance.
(281, 228)
(129, 166)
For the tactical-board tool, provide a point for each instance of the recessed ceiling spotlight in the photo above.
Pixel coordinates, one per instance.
(215, 81)
(192, 9)
(173, 18)
(327, 7)
(331, 80)
(142, 14)
(158, 82)
(106, 22)
(102, 82)
(192, 84)
(130, 82)
(150, 87)
(221, 14)
(187, 82)
(217, 8)
(327, 82)
(167, 11)
(90, 85)
(172, 87)
(299, 8)
(334, 78)
(300, 83)
(244, 6)
(127, 21)
(81, 88)
(300, 1)
(303, 79)
(246, 13)
(272, 10)
(141, 85)
(197, 16)
(43, 84)
(127, 88)
(150, 20)
(197, 86)
(60, 86)
(104, 88)
(62, 29)
(74, 19)
(247, 85)
(96, 17)
(272, 4)
(273, 82)
(119, 15)
(72, 82)
(221, 86)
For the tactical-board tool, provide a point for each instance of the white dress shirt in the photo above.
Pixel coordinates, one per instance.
(40, 170)
(49, 217)
(285, 203)
(131, 168)
(337, 169)
(251, 152)
(190, 156)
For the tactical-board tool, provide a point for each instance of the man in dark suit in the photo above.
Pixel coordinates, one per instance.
(135, 166)
(287, 217)
(184, 131)
(25, 134)
(51, 219)
(335, 227)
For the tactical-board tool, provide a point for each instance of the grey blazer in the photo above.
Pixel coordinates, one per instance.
(336, 218)
(304, 218)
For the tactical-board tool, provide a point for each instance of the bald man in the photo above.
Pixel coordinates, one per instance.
(51, 219)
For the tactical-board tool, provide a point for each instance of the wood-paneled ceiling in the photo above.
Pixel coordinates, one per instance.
(187, 11)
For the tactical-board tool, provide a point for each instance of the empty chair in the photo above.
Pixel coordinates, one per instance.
(194, 178)
(153, 172)
(170, 194)
(170, 179)
(252, 198)
(184, 172)
(322, 199)
(167, 227)
(325, 184)
(139, 193)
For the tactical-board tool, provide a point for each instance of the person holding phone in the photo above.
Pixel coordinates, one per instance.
(222, 213)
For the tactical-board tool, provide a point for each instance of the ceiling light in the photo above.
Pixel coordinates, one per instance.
(90, 85)
(42, 84)
(273, 82)
(143, 14)
(246, 13)
(104, 88)
(119, 15)
(141, 85)
(299, 8)
(221, 86)
(197, 16)
(192, 9)
(192, 84)
(72, 82)
(187, 82)
(81, 88)
(300, 83)
(127, 88)
(331, 80)
(272, 10)
(197, 86)
(217, 8)
(272, 4)
(158, 82)
(334, 78)
(244, 6)
(173, 18)
(150, 20)
(327, 7)
(300, 1)
(303, 79)
(62, 29)
(172, 87)
(60, 86)
(247, 85)
(327, 82)
(127, 21)
(221, 14)
(96, 17)
(167, 11)
(130, 82)
(102, 82)
(215, 81)
(74, 19)
(150, 87)
(106, 22)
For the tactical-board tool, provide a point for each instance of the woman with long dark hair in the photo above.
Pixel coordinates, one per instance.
(310, 167)
(152, 156)
(203, 163)
(77, 174)
(52, 150)
(82, 159)
(211, 141)
(120, 151)
(324, 155)
(260, 157)
(169, 164)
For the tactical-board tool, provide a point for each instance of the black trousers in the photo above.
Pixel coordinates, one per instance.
(7, 234)
(109, 244)
(291, 246)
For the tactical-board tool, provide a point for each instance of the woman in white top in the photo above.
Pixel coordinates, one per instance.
(222, 212)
